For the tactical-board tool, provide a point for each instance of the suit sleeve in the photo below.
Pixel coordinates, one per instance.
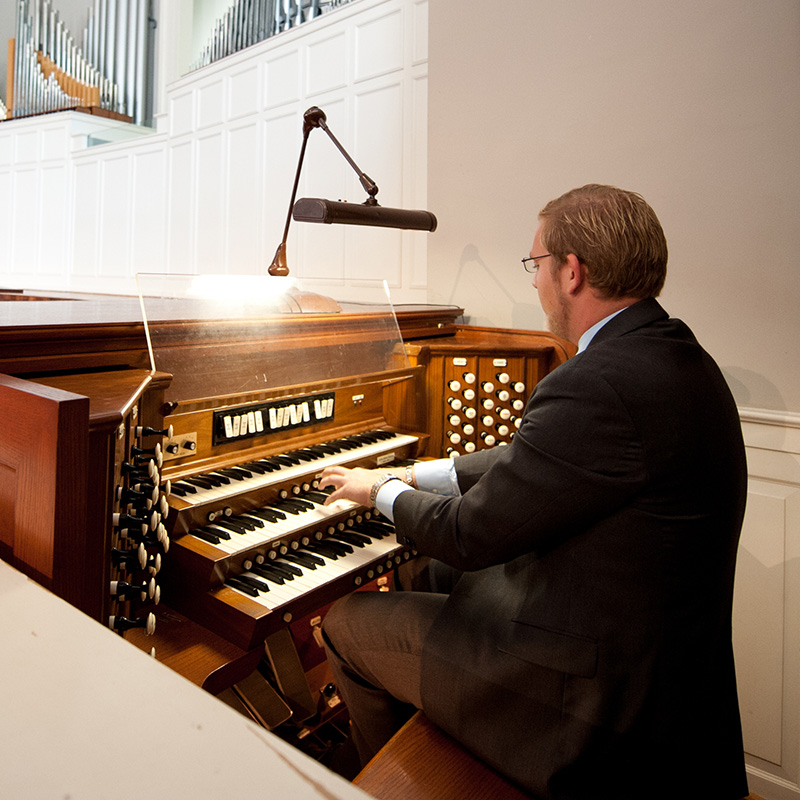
(576, 458)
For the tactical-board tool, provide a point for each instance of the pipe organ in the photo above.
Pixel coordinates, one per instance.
(107, 70)
(178, 501)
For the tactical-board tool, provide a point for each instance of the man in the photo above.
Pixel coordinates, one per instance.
(585, 648)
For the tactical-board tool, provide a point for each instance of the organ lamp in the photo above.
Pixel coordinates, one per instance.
(335, 212)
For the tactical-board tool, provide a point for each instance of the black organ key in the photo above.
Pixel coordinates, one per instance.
(271, 574)
(242, 586)
(235, 473)
(351, 537)
(317, 497)
(267, 514)
(220, 533)
(254, 582)
(230, 525)
(211, 537)
(260, 467)
(304, 559)
(286, 567)
(201, 481)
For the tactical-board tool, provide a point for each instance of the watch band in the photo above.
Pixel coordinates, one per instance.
(373, 492)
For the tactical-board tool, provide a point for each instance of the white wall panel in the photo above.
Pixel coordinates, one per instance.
(244, 220)
(115, 223)
(54, 212)
(419, 36)
(379, 137)
(6, 148)
(181, 113)
(379, 45)
(243, 94)
(149, 226)
(767, 606)
(327, 64)
(25, 252)
(85, 218)
(282, 79)
(27, 147)
(54, 143)
(180, 249)
(210, 104)
(6, 180)
(760, 619)
(210, 230)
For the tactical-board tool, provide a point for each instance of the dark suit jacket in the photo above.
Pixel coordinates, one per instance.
(586, 651)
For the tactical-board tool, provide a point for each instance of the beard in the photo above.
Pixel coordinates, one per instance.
(558, 319)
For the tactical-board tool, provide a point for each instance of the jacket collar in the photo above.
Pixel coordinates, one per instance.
(644, 312)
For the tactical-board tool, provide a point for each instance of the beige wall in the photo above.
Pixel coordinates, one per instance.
(695, 104)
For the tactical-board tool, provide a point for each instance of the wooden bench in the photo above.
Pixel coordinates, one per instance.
(421, 762)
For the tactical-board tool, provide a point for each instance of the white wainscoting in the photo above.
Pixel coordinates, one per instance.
(767, 605)
(209, 193)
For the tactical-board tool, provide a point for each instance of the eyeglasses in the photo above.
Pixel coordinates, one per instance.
(530, 263)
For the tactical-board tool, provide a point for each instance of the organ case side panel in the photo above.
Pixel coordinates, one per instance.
(43, 488)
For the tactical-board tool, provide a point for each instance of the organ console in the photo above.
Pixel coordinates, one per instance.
(164, 477)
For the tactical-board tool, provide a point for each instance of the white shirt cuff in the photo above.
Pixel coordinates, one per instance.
(437, 476)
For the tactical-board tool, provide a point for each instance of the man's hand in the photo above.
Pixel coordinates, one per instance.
(350, 484)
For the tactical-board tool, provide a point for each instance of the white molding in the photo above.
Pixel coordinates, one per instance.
(763, 416)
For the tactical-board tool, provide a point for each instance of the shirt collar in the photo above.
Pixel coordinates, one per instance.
(589, 334)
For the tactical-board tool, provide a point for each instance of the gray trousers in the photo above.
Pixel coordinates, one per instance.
(374, 643)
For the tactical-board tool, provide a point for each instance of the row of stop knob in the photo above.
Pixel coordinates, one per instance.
(483, 413)
(139, 531)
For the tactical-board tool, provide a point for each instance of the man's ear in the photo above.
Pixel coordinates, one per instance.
(573, 275)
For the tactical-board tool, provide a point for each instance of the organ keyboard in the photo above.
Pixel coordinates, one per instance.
(254, 537)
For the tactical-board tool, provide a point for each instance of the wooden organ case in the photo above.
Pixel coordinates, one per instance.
(162, 495)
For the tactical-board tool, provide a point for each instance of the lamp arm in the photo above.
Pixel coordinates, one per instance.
(279, 267)
(370, 187)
